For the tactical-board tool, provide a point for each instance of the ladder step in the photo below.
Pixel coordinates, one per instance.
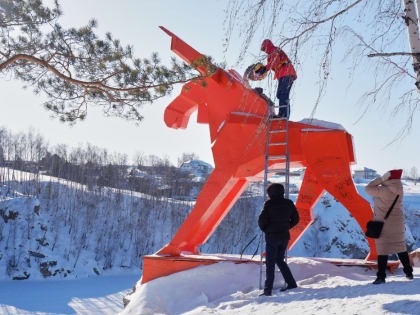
(277, 143)
(276, 170)
(277, 157)
(278, 118)
(278, 131)
(279, 106)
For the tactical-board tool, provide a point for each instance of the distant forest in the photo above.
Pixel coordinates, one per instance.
(93, 166)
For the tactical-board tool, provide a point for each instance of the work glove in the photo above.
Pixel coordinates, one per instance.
(261, 70)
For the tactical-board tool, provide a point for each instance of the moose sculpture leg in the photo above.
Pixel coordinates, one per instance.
(213, 203)
(332, 172)
(309, 194)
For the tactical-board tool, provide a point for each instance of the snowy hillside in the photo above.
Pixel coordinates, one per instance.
(60, 229)
(76, 232)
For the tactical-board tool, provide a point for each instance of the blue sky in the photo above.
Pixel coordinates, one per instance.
(201, 24)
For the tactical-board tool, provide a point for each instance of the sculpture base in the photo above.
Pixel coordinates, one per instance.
(358, 262)
(156, 266)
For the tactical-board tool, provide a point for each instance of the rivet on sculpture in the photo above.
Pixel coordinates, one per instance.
(237, 118)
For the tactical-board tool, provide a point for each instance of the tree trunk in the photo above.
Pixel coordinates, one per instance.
(418, 7)
(411, 21)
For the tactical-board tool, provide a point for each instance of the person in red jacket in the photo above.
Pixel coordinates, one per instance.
(284, 72)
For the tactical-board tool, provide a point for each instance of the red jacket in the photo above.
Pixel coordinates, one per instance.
(277, 60)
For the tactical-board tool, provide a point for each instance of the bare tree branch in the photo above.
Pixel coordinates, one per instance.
(317, 23)
(392, 54)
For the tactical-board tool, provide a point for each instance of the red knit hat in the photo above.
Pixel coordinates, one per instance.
(395, 174)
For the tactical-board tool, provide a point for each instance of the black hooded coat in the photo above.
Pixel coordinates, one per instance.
(278, 216)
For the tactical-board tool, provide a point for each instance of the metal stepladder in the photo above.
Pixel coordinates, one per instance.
(272, 142)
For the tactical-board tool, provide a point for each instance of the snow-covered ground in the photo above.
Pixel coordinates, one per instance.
(222, 288)
(323, 288)
(93, 295)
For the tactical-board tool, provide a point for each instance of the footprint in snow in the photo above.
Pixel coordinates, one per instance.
(314, 279)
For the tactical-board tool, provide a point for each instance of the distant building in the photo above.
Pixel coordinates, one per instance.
(135, 172)
(293, 172)
(299, 172)
(365, 173)
(196, 167)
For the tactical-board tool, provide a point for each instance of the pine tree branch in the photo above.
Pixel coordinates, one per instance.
(46, 65)
(87, 84)
(112, 75)
(4, 54)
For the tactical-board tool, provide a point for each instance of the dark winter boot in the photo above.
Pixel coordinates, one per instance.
(288, 287)
(405, 260)
(379, 280)
(381, 274)
(265, 293)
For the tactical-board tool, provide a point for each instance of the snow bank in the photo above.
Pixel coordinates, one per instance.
(415, 257)
(183, 291)
(323, 288)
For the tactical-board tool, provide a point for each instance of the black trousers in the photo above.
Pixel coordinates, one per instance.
(383, 261)
(283, 92)
(275, 250)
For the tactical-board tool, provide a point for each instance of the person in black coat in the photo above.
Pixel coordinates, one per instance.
(277, 217)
